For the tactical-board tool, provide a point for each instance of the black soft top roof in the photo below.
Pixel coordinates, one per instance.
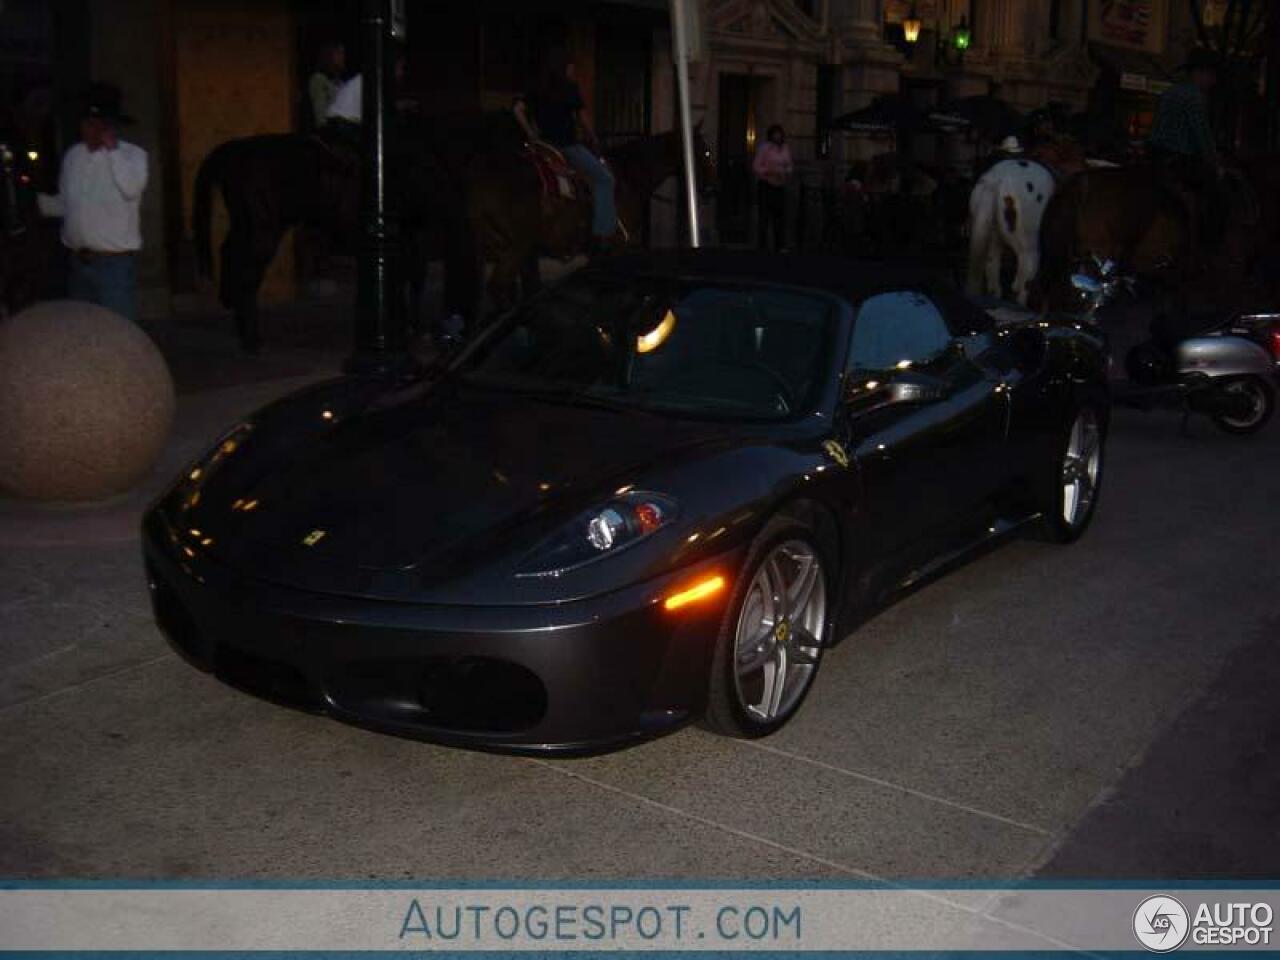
(852, 278)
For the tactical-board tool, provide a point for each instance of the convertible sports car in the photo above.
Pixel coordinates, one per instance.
(659, 490)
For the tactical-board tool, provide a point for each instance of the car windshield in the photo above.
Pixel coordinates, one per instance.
(713, 349)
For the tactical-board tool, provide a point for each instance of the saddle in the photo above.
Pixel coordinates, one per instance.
(559, 180)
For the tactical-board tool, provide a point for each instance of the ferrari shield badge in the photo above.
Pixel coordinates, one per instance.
(836, 451)
(314, 537)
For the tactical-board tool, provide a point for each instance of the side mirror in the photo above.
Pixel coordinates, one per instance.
(867, 391)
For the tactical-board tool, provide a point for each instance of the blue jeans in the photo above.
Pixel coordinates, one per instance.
(110, 282)
(604, 219)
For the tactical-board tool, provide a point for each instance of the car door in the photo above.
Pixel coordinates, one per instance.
(923, 421)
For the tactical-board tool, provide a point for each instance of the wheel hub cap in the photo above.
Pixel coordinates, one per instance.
(780, 631)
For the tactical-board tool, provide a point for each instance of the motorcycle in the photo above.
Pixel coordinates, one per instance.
(1221, 370)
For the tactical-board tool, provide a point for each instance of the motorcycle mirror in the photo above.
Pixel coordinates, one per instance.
(1086, 284)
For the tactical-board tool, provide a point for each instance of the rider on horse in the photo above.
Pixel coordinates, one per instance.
(558, 116)
(1182, 141)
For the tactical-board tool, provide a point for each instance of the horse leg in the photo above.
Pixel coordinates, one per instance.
(981, 228)
(238, 286)
(1028, 266)
(502, 283)
(463, 281)
(413, 276)
(530, 276)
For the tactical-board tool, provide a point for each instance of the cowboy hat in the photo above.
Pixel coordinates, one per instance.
(103, 102)
(1010, 144)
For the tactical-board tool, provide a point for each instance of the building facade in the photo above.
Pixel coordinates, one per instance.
(198, 72)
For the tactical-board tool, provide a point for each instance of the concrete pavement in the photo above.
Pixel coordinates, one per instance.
(1018, 715)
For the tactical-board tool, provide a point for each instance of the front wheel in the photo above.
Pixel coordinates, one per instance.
(1257, 402)
(773, 633)
(1077, 478)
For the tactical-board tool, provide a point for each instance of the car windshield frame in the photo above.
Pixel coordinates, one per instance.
(670, 289)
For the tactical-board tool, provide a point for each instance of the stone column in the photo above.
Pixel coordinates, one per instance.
(872, 67)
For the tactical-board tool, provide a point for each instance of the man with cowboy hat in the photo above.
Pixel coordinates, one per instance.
(99, 195)
(1181, 141)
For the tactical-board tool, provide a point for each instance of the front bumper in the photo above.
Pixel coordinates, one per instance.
(571, 677)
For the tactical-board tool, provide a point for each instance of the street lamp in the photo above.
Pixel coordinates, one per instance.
(911, 25)
(381, 345)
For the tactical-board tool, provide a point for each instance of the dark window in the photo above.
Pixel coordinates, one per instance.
(895, 329)
(693, 348)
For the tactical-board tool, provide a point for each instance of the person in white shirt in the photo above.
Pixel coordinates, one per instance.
(348, 103)
(99, 196)
(324, 84)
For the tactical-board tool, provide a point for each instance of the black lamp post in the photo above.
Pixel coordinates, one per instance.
(381, 342)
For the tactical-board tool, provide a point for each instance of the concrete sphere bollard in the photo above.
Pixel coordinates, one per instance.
(86, 402)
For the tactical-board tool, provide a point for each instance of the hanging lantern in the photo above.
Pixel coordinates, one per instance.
(962, 35)
(911, 25)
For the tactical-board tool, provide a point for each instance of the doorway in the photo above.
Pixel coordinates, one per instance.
(741, 99)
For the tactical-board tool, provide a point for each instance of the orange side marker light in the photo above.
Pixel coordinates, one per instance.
(707, 587)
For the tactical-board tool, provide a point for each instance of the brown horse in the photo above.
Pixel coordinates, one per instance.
(1128, 214)
(515, 219)
(1141, 217)
(274, 182)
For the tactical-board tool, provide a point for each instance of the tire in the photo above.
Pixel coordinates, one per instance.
(1264, 405)
(743, 700)
(1071, 497)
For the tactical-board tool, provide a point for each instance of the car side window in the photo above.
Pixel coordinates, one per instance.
(897, 328)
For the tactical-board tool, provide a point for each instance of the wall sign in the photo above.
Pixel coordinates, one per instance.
(1134, 24)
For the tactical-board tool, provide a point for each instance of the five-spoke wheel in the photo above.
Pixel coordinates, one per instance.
(773, 635)
(1072, 493)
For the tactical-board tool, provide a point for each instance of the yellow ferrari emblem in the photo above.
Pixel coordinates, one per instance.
(836, 452)
(314, 537)
(782, 631)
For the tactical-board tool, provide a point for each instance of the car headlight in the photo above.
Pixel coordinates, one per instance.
(604, 531)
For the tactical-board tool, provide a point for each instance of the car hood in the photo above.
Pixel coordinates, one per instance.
(441, 483)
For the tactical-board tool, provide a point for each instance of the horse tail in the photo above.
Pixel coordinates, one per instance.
(1009, 213)
(210, 175)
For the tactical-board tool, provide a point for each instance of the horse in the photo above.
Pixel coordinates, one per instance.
(1005, 210)
(517, 217)
(271, 183)
(1141, 217)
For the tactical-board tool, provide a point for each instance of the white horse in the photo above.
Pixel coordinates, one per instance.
(1005, 210)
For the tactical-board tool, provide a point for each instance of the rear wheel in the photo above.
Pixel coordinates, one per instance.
(1257, 400)
(774, 631)
(1077, 479)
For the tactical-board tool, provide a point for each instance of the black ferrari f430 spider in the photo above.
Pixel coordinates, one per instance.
(660, 490)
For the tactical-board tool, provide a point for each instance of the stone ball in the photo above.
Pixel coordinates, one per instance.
(86, 402)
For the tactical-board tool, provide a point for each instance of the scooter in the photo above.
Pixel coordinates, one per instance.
(1225, 375)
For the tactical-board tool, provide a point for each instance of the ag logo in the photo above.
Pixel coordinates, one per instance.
(836, 451)
(1161, 923)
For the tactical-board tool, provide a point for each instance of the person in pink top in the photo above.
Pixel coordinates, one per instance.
(772, 167)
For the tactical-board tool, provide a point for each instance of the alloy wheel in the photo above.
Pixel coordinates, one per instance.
(1080, 467)
(779, 635)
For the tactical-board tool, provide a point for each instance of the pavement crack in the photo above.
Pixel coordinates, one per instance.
(902, 788)
(978, 911)
(708, 822)
(52, 694)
